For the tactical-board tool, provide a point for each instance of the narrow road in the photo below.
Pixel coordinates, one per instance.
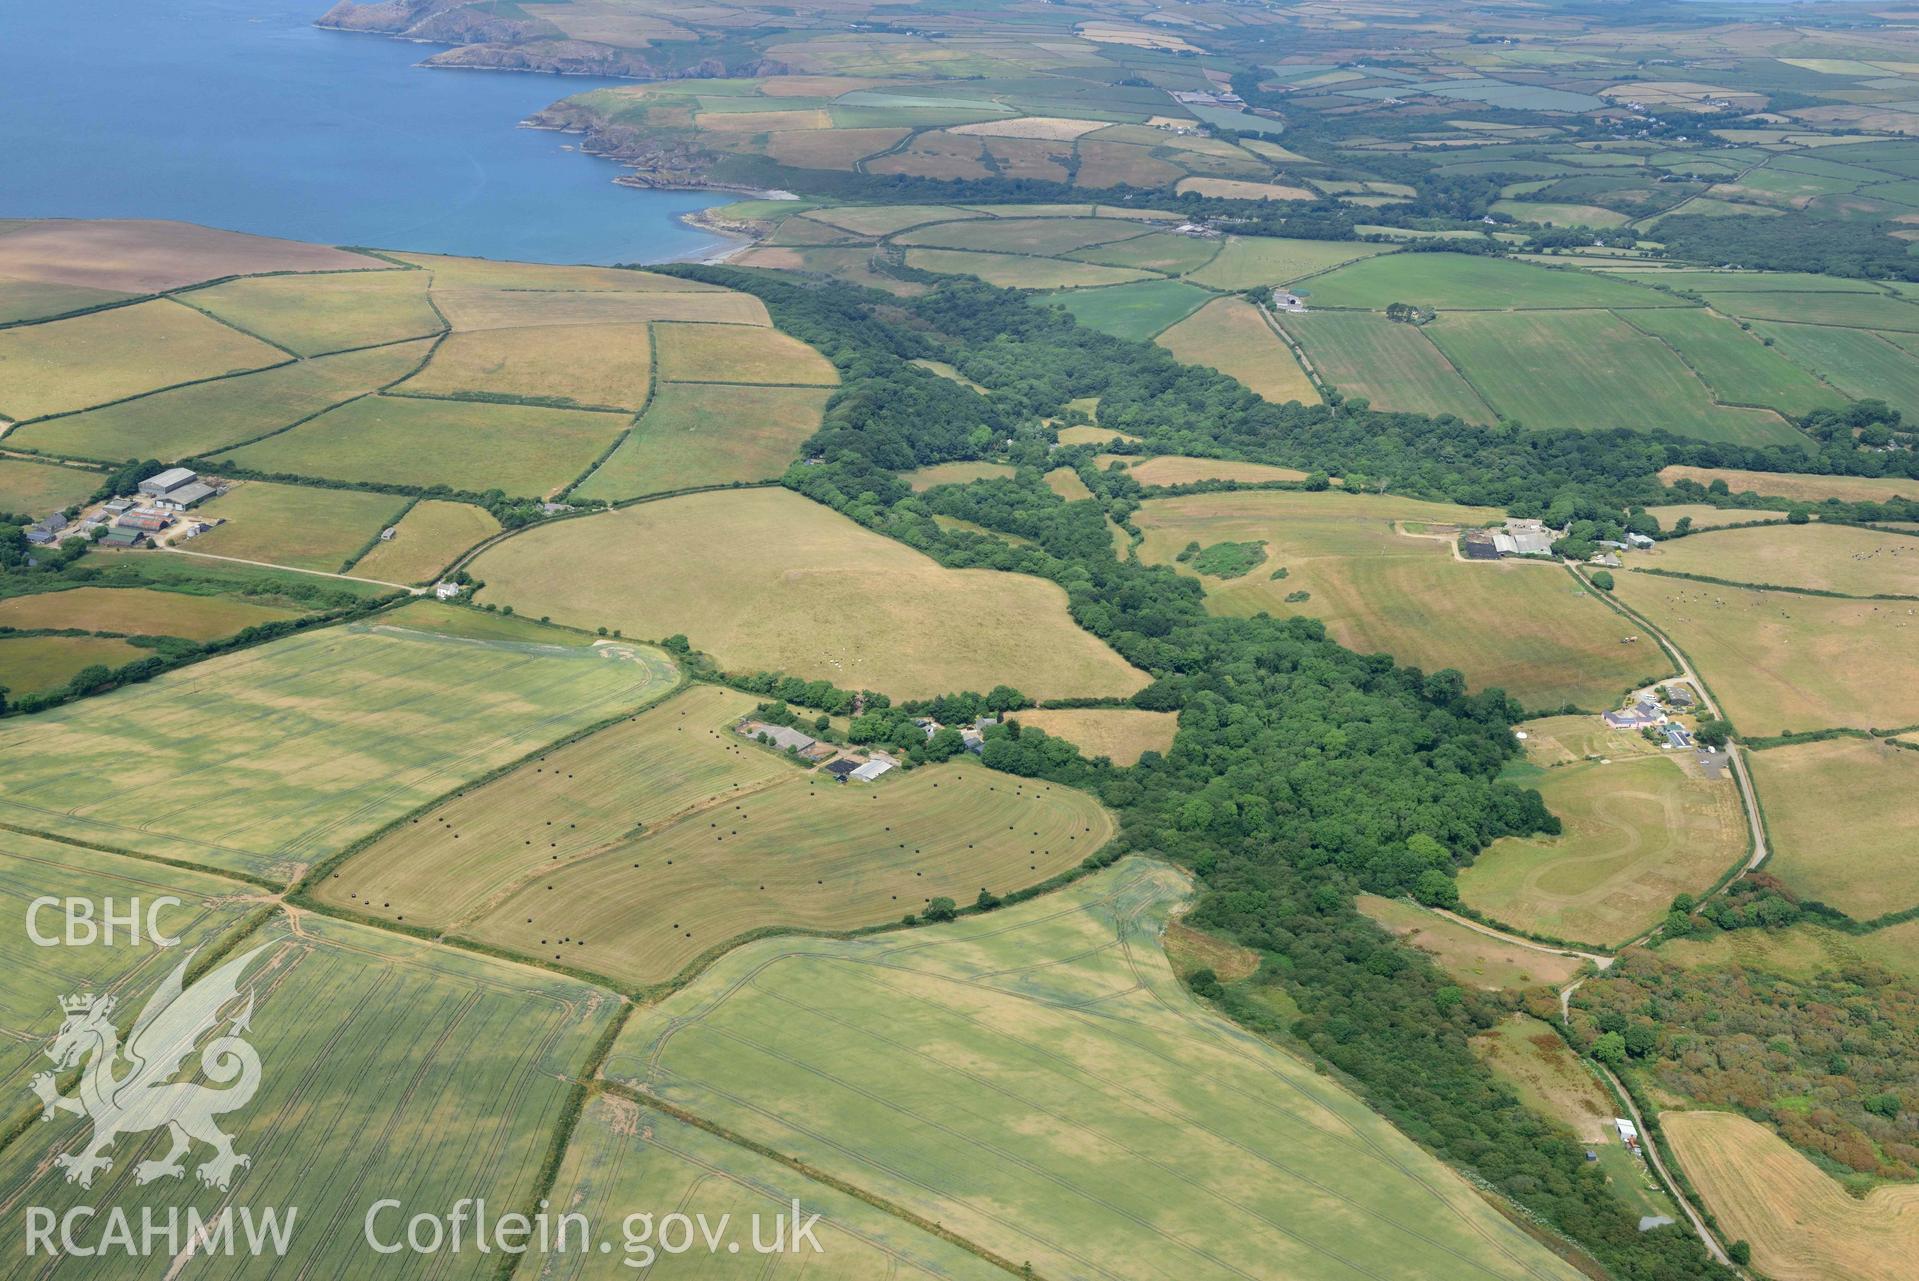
(1651, 1149)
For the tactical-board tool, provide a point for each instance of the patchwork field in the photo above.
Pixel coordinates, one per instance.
(600, 366)
(958, 1072)
(1638, 832)
(1454, 282)
(210, 416)
(1122, 734)
(738, 354)
(1803, 1226)
(1827, 558)
(1394, 366)
(695, 434)
(321, 738)
(1797, 485)
(1739, 368)
(1783, 661)
(39, 489)
(135, 611)
(299, 525)
(64, 365)
(426, 540)
(32, 664)
(850, 606)
(311, 315)
(37, 300)
(1466, 954)
(1856, 361)
(1840, 814)
(1230, 335)
(1526, 628)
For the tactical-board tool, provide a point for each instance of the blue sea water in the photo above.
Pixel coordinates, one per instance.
(241, 114)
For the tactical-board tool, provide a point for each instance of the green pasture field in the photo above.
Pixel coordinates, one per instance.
(1780, 661)
(526, 450)
(1527, 628)
(39, 299)
(1846, 310)
(36, 977)
(1394, 366)
(63, 365)
(311, 315)
(1466, 954)
(1638, 831)
(1804, 486)
(930, 477)
(1231, 336)
(1827, 558)
(1470, 282)
(1561, 214)
(1014, 271)
(1244, 262)
(138, 611)
(390, 1068)
(1840, 815)
(210, 416)
(1045, 237)
(1136, 311)
(283, 754)
(1719, 282)
(1044, 1057)
(1561, 369)
(1160, 251)
(738, 354)
(1857, 361)
(845, 604)
(586, 365)
(1121, 734)
(31, 664)
(426, 541)
(39, 489)
(1738, 367)
(298, 525)
(623, 1154)
(1065, 482)
(696, 434)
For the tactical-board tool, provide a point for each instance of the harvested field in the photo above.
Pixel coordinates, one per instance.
(1841, 815)
(924, 478)
(1230, 335)
(695, 434)
(830, 148)
(1236, 189)
(34, 664)
(1177, 469)
(1394, 366)
(1090, 435)
(1802, 1225)
(139, 257)
(1466, 954)
(323, 738)
(211, 416)
(1638, 832)
(854, 607)
(1796, 485)
(1042, 236)
(1827, 558)
(135, 611)
(312, 315)
(528, 451)
(934, 154)
(1051, 128)
(595, 366)
(64, 365)
(1015, 271)
(299, 525)
(1136, 311)
(40, 489)
(1150, 1136)
(1705, 516)
(469, 308)
(738, 354)
(487, 273)
(1246, 262)
(426, 541)
(1121, 734)
(1783, 661)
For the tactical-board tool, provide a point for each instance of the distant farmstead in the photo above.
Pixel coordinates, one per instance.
(176, 489)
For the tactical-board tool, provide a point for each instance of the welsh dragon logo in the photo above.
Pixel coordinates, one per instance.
(145, 1096)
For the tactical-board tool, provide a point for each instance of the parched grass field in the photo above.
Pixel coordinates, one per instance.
(1736, 365)
(766, 580)
(1394, 366)
(30, 664)
(1038, 1082)
(140, 257)
(138, 611)
(1178, 469)
(38, 300)
(299, 525)
(924, 478)
(589, 365)
(738, 354)
(1065, 482)
(1705, 516)
(1121, 734)
(491, 273)
(884, 220)
(1136, 311)
(1803, 1226)
(1237, 189)
(1797, 485)
(1560, 369)
(38, 489)
(426, 540)
(1638, 832)
(1841, 815)
(312, 315)
(528, 451)
(1017, 271)
(1829, 558)
(1472, 282)
(1045, 237)
(64, 365)
(392, 1068)
(210, 416)
(1783, 661)
(709, 434)
(1528, 628)
(1466, 954)
(1250, 261)
(283, 754)
(471, 308)
(1230, 335)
